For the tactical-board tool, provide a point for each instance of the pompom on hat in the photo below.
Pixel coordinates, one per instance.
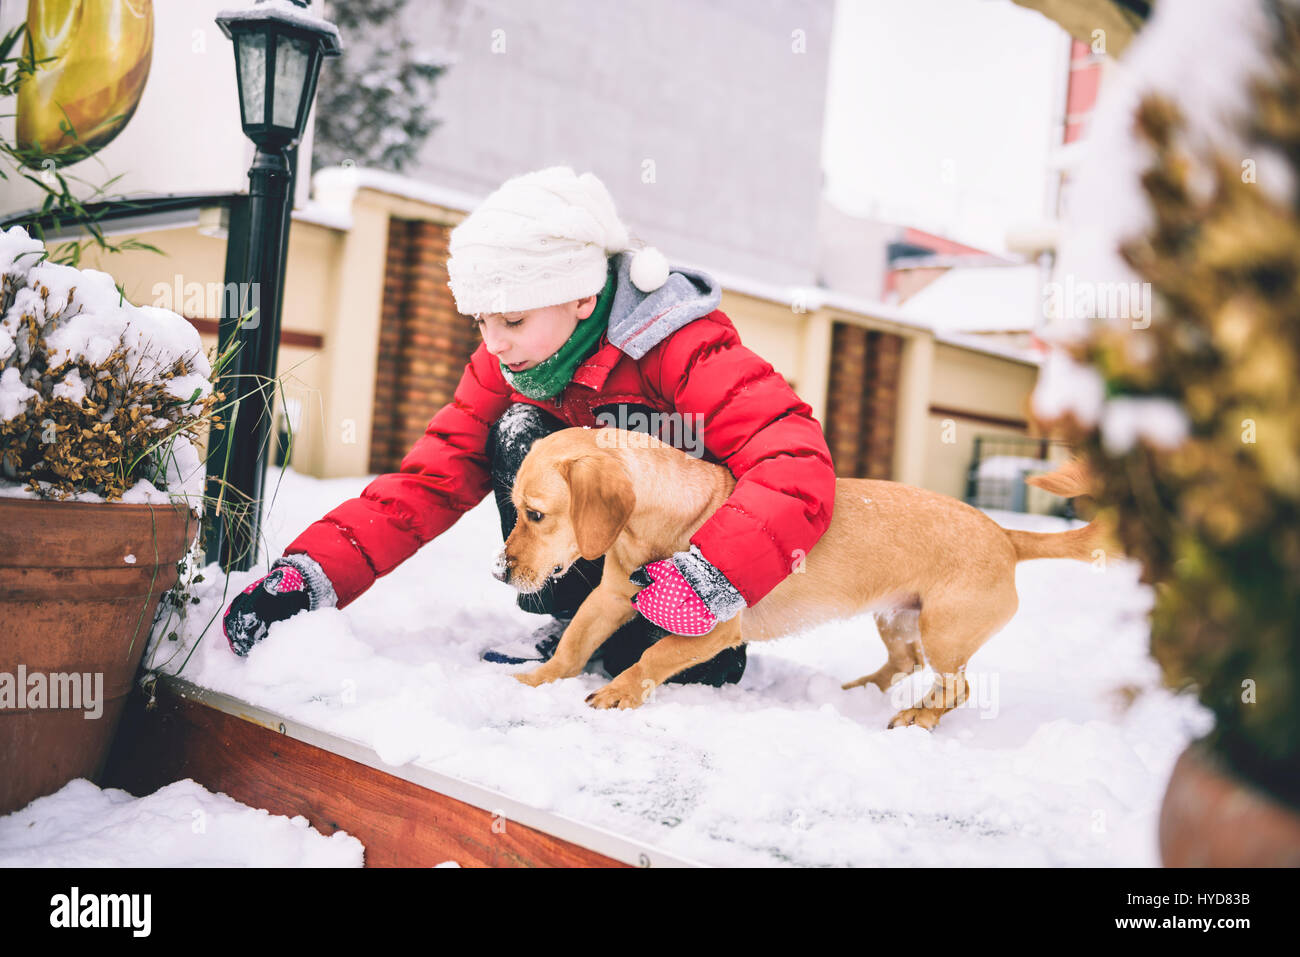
(542, 238)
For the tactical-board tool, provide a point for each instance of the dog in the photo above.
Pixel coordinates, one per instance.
(938, 573)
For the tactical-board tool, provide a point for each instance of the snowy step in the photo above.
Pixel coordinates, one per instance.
(404, 815)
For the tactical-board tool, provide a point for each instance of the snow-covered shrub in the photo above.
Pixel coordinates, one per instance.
(1197, 441)
(98, 397)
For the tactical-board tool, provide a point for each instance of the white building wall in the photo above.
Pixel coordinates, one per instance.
(707, 97)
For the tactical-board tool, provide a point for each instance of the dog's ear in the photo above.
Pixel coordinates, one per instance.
(601, 500)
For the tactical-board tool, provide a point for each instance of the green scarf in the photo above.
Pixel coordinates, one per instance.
(553, 373)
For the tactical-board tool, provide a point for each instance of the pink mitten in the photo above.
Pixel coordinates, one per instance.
(671, 603)
(277, 595)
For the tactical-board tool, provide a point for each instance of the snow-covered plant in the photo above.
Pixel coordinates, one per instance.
(1209, 501)
(96, 395)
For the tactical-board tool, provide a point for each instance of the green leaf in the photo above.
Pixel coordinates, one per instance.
(70, 128)
(10, 40)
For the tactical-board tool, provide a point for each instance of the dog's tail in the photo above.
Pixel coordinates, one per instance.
(1082, 544)
(1071, 479)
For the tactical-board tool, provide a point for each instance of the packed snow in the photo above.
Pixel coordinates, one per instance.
(1062, 760)
(180, 825)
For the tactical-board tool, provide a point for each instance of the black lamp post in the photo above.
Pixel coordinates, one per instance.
(278, 54)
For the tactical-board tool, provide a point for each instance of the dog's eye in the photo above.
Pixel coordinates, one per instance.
(533, 515)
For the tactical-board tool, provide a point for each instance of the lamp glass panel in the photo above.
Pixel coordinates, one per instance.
(252, 75)
(292, 55)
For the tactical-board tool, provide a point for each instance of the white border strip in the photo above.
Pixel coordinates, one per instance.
(494, 802)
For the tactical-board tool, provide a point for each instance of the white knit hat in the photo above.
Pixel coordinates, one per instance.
(542, 238)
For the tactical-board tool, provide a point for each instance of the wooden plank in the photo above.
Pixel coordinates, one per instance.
(288, 337)
(401, 822)
(970, 416)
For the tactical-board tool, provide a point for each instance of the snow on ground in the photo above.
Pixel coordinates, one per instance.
(784, 768)
(180, 825)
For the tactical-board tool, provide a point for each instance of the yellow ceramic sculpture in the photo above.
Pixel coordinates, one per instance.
(102, 50)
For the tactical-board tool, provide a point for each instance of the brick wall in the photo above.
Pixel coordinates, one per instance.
(884, 358)
(844, 395)
(862, 401)
(423, 342)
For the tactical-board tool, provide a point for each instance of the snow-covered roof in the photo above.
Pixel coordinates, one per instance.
(808, 297)
(335, 187)
(322, 215)
(980, 299)
(813, 297)
(976, 342)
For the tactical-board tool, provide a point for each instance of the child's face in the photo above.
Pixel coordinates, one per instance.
(523, 339)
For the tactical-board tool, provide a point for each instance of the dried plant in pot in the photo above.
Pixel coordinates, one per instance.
(1196, 451)
(101, 403)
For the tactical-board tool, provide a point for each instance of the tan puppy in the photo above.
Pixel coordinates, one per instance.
(940, 574)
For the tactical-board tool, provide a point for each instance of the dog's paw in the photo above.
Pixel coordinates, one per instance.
(921, 717)
(538, 676)
(620, 694)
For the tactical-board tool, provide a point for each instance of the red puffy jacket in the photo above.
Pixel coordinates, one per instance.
(671, 351)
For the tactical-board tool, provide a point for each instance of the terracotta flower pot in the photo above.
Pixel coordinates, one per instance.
(1212, 818)
(79, 586)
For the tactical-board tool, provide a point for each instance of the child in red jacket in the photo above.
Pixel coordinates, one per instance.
(580, 330)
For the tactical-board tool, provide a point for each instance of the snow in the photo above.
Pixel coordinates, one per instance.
(72, 388)
(1160, 422)
(180, 825)
(288, 12)
(18, 252)
(143, 492)
(784, 768)
(1065, 386)
(980, 299)
(14, 396)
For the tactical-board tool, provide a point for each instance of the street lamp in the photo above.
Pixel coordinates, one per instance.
(279, 47)
(278, 53)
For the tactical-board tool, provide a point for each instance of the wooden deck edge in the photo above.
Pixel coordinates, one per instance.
(406, 816)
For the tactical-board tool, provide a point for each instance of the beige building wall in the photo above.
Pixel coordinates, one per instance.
(188, 279)
(977, 384)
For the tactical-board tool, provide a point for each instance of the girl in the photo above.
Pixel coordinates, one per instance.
(580, 330)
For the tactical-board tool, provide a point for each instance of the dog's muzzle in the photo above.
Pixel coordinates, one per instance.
(501, 567)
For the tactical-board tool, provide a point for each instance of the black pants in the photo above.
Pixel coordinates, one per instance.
(509, 440)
